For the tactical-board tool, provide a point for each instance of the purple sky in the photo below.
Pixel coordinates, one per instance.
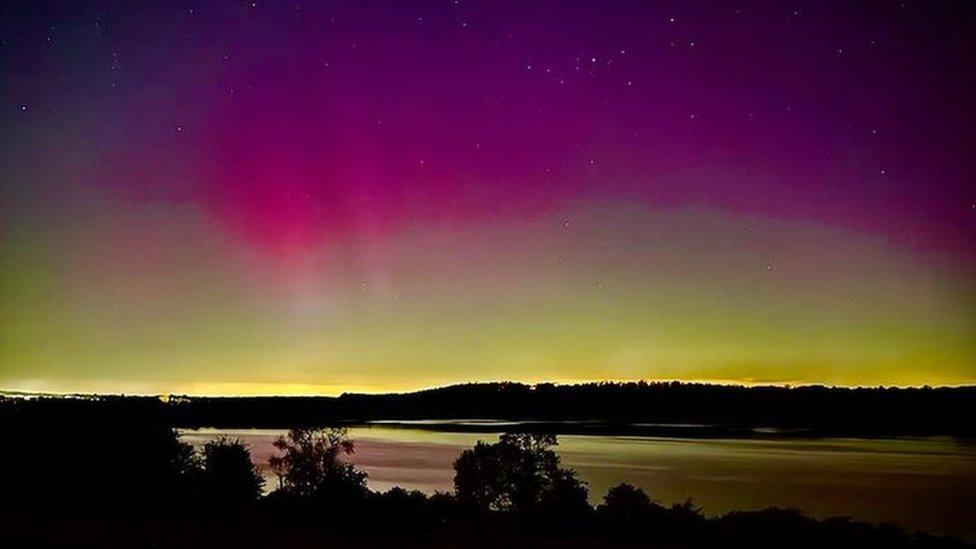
(289, 128)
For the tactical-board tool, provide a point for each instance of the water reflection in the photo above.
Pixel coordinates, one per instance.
(927, 483)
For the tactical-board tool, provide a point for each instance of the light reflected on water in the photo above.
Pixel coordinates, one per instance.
(925, 483)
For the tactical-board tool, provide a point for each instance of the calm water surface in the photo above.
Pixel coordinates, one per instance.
(924, 483)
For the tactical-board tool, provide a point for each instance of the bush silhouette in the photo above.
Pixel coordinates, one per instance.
(566, 496)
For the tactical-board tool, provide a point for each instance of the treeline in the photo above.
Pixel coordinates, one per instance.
(126, 480)
(607, 407)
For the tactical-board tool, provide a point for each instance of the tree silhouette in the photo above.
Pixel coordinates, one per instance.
(518, 473)
(310, 463)
(228, 477)
(626, 501)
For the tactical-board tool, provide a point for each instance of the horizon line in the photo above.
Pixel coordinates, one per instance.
(710, 382)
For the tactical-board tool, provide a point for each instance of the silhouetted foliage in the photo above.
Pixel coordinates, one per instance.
(228, 477)
(518, 473)
(626, 501)
(310, 463)
(111, 472)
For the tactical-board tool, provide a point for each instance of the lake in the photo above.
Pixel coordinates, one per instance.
(920, 483)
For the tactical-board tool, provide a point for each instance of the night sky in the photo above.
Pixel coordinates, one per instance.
(305, 197)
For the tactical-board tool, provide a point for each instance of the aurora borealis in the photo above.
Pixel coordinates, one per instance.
(316, 197)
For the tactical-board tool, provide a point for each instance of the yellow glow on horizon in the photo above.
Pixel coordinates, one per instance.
(272, 389)
(622, 293)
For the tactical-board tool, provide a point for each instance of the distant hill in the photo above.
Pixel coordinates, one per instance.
(669, 408)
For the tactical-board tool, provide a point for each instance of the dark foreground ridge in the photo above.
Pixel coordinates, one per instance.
(639, 407)
(96, 474)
